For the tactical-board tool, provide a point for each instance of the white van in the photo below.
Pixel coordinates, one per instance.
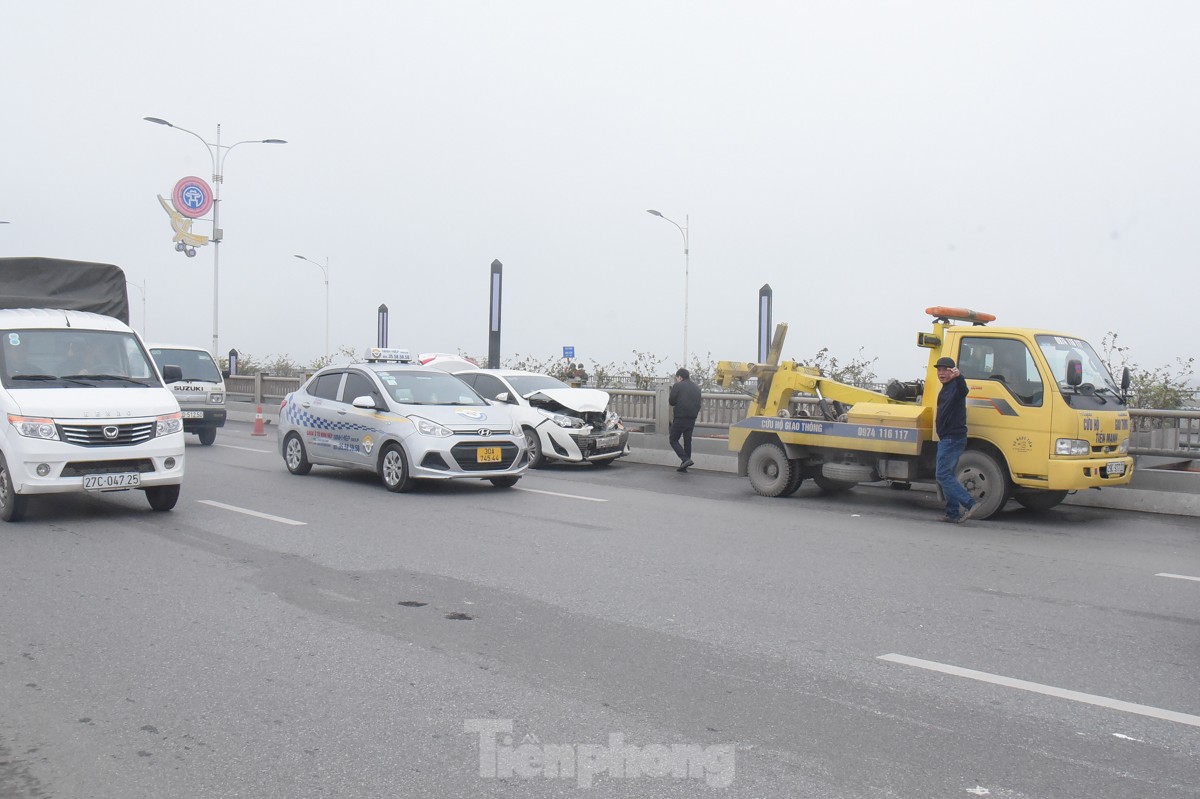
(201, 390)
(86, 409)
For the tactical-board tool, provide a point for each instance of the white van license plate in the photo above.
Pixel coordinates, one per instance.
(193, 414)
(1115, 468)
(107, 482)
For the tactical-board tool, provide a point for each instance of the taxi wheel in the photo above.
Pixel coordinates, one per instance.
(294, 455)
(207, 435)
(393, 469)
(533, 448)
(12, 504)
(504, 482)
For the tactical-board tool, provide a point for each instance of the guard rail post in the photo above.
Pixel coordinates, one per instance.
(662, 409)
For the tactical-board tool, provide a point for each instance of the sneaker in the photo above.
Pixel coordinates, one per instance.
(687, 463)
(682, 468)
(948, 519)
(966, 514)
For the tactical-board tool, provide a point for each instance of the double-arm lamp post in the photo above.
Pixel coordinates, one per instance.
(683, 229)
(217, 153)
(325, 271)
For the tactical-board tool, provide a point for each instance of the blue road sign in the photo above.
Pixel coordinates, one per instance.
(568, 352)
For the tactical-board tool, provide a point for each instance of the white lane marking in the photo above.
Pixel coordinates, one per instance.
(1178, 576)
(556, 494)
(243, 449)
(248, 512)
(1048, 690)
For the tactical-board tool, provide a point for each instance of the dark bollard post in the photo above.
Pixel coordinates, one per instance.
(494, 315)
(766, 298)
(381, 327)
(233, 358)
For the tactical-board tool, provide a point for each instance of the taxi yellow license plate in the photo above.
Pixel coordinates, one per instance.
(487, 455)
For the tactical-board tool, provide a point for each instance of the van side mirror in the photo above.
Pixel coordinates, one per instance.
(172, 373)
(225, 373)
(1074, 372)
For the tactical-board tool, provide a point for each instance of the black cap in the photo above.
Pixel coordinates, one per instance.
(944, 363)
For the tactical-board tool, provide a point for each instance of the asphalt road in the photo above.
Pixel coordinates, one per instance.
(635, 630)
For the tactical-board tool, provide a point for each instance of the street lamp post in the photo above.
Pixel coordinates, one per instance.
(683, 229)
(325, 271)
(218, 169)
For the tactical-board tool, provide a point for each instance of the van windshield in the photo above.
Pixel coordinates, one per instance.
(196, 364)
(71, 357)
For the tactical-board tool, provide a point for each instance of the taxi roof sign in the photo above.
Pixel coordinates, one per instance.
(382, 354)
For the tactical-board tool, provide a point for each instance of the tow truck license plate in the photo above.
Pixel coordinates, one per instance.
(1115, 468)
(106, 482)
(487, 455)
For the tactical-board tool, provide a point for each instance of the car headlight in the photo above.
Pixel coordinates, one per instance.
(1124, 448)
(1072, 446)
(30, 427)
(428, 428)
(216, 399)
(168, 423)
(561, 419)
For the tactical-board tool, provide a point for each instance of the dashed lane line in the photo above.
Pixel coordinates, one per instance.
(243, 449)
(249, 512)
(557, 494)
(1048, 690)
(1178, 576)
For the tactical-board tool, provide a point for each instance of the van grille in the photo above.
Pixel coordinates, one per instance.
(92, 435)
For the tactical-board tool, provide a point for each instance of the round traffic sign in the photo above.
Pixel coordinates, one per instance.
(192, 197)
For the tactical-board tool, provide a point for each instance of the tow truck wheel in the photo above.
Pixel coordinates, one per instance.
(393, 469)
(985, 481)
(533, 448)
(294, 456)
(162, 498)
(794, 484)
(12, 504)
(831, 486)
(207, 435)
(769, 470)
(1040, 500)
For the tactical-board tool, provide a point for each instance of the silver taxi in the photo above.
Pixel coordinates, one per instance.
(403, 421)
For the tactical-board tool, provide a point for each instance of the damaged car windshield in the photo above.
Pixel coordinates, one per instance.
(527, 384)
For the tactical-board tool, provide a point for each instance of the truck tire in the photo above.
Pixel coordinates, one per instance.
(12, 504)
(770, 471)
(847, 473)
(986, 482)
(207, 435)
(793, 484)
(830, 486)
(1040, 500)
(162, 498)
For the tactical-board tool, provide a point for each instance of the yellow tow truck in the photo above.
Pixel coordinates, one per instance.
(1044, 417)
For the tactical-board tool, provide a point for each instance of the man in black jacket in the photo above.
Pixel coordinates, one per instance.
(685, 399)
(951, 425)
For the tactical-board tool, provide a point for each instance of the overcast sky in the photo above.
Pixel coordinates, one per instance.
(1035, 160)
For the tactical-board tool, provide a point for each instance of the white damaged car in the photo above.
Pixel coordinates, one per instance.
(559, 422)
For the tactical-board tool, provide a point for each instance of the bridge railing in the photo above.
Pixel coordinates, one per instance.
(1173, 434)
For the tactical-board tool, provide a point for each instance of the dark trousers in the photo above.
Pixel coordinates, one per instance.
(682, 428)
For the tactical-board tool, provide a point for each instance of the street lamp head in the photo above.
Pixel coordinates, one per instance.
(273, 141)
(652, 211)
(158, 121)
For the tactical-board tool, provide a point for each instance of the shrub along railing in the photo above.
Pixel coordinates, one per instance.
(1173, 434)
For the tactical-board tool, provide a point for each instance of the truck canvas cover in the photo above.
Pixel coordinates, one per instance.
(58, 283)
